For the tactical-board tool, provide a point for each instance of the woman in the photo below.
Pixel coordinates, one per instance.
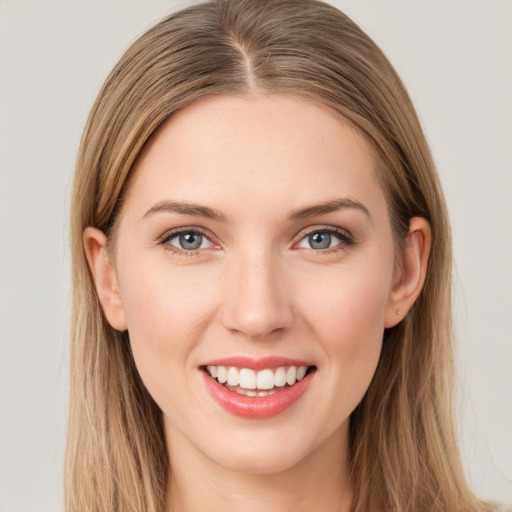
(262, 267)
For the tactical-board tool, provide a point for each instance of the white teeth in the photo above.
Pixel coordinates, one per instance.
(264, 380)
(233, 377)
(301, 371)
(291, 375)
(280, 377)
(222, 374)
(247, 379)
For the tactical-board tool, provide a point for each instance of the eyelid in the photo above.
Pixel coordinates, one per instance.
(346, 238)
(174, 232)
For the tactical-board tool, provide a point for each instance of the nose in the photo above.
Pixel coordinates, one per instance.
(257, 303)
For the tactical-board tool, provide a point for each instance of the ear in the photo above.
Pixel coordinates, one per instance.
(410, 272)
(104, 276)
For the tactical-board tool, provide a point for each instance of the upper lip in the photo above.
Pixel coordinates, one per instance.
(257, 363)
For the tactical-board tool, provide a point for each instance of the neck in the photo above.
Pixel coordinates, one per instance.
(320, 482)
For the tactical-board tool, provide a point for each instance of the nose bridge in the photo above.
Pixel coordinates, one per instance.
(256, 301)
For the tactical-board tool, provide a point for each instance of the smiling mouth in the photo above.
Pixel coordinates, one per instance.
(253, 383)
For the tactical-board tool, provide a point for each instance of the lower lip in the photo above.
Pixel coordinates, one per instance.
(256, 406)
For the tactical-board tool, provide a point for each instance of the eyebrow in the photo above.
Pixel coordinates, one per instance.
(192, 209)
(197, 210)
(328, 207)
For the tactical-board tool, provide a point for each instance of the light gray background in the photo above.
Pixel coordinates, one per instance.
(456, 59)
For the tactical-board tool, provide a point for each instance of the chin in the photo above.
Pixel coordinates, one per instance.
(266, 463)
(261, 454)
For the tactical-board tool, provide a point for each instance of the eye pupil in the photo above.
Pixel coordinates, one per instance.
(191, 240)
(320, 240)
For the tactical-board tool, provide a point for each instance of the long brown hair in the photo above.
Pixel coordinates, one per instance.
(403, 449)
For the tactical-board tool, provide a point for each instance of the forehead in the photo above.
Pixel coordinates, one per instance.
(270, 150)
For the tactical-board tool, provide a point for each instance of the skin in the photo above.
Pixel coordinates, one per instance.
(257, 287)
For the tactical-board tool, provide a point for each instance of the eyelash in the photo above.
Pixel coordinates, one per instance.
(169, 235)
(346, 240)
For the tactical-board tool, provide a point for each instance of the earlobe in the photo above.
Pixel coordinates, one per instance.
(411, 271)
(104, 276)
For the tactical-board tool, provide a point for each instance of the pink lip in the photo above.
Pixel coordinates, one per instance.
(257, 364)
(256, 407)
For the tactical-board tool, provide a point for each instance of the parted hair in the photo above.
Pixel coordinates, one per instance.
(403, 451)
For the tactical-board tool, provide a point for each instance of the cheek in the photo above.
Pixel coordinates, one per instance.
(166, 309)
(350, 299)
(347, 315)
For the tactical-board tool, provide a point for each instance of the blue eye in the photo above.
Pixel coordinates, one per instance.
(190, 241)
(320, 240)
(187, 240)
(323, 239)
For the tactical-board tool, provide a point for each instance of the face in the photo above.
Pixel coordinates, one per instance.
(255, 246)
